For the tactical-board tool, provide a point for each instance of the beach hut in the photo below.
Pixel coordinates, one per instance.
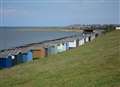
(38, 53)
(6, 62)
(72, 44)
(38, 50)
(61, 47)
(51, 49)
(24, 56)
(7, 59)
(65, 46)
(65, 43)
(87, 38)
(81, 41)
(56, 46)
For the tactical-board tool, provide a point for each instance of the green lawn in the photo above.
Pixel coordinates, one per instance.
(95, 64)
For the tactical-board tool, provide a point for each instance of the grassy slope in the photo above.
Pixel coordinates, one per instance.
(96, 64)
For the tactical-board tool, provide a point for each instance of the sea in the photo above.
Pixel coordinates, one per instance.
(17, 36)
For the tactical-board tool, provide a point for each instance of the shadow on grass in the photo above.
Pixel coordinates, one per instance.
(36, 58)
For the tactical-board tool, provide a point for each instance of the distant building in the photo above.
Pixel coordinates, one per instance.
(117, 28)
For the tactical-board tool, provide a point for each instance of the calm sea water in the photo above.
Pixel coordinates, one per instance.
(12, 37)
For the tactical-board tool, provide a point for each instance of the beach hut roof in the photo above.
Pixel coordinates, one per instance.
(7, 53)
(10, 52)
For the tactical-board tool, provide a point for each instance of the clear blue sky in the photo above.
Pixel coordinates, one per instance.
(58, 12)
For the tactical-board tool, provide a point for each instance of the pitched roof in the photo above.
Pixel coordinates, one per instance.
(10, 52)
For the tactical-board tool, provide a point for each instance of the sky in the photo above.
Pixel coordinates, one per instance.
(58, 12)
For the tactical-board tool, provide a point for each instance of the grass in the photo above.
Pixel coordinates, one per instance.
(95, 64)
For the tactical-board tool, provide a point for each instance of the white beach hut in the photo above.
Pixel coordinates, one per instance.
(81, 41)
(72, 44)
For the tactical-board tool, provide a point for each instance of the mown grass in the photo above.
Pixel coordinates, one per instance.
(95, 64)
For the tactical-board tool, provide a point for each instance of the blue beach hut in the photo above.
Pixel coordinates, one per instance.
(52, 50)
(7, 59)
(5, 62)
(24, 56)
